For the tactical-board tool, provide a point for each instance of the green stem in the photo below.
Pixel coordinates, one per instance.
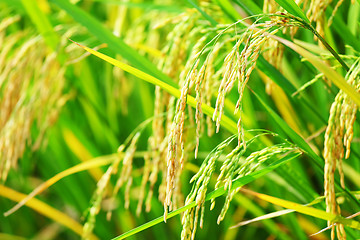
(330, 49)
(323, 41)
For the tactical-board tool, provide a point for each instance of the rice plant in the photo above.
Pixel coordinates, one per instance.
(231, 119)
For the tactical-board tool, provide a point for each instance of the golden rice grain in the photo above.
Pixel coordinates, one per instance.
(32, 93)
(338, 135)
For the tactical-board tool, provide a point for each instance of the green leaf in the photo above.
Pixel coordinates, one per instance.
(306, 210)
(296, 138)
(330, 73)
(176, 8)
(249, 6)
(225, 121)
(300, 142)
(16, 4)
(206, 16)
(214, 194)
(42, 23)
(291, 7)
(344, 32)
(116, 44)
(228, 9)
(275, 75)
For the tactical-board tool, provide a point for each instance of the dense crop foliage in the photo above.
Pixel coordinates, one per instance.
(232, 119)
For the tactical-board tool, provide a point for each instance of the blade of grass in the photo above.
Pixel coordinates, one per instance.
(264, 217)
(277, 213)
(80, 151)
(314, 48)
(285, 84)
(15, 4)
(4, 236)
(249, 6)
(146, 6)
(206, 16)
(300, 142)
(275, 75)
(116, 44)
(256, 210)
(42, 23)
(228, 9)
(214, 194)
(45, 210)
(97, 125)
(291, 7)
(87, 84)
(284, 106)
(94, 163)
(354, 13)
(343, 31)
(305, 210)
(330, 73)
(225, 121)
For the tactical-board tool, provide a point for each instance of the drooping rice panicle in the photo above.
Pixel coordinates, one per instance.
(200, 184)
(274, 50)
(316, 13)
(122, 170)
(32, 94)
(144, 181)
(233, 167)
(96, 203)
(126, 170)
(237, 67)
(339, 134)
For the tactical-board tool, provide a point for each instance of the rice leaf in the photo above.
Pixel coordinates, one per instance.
(292, 8)
(206, 16)
(90, 164)
(116, 44)
(228, 9)
(306, 210)
(80, 151)
(297, 139)
(226, 121)
(264, 217)
(146, 6)
(42, 23)
(214, 194)
(330, 73)
(344, 32)
(45, 210)
(300, 142)
(249, 6)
